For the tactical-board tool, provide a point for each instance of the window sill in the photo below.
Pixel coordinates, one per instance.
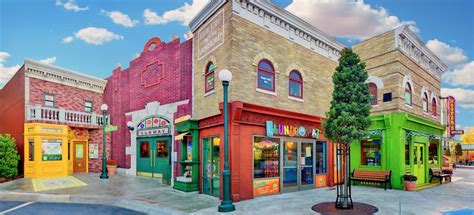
(209, 93)
(295, 99)
(426, 113)
(408, 106)
(266, 91)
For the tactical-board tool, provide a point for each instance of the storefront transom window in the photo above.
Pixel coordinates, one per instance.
(370, 151)
(266, 155)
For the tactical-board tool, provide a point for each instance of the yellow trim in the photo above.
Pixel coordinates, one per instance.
(180, 136)
(182, 119)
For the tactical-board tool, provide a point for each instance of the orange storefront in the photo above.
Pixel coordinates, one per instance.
(271, 151)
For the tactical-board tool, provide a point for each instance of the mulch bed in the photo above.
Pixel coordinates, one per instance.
(3, 180)
(330, 208)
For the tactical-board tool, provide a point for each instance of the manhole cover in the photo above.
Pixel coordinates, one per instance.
(330, 208)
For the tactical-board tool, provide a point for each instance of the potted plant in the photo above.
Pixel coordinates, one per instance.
(410, 182)
(111, 166)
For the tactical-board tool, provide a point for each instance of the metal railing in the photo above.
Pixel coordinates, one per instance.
(62, 115)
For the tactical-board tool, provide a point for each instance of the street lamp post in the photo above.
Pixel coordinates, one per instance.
(104, 175)
(226, 205)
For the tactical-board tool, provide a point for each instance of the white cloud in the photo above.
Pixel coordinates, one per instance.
(68, 39)
(464, 97)
(6, 72)
(93, 35)
(346, 18)
(461, 76)
(120, 18)
(49, 60)
(71, 5)
(183, 14)
(451, 56)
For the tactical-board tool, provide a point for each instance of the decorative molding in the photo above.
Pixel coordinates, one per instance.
(413, 47)
(263, 55)
(423, 91)
(59, 75)
(297, 67)
(205, 13)
(407, 79)
(376, 80)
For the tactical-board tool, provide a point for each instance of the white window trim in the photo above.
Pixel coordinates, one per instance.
(410, 106)
(295, 99)
(209, 93)
(265, 91)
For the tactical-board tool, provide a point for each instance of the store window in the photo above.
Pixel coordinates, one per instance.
(296, 84)
(370, 151)
(266, 76)
(162, 149)
(407, 154)
(31, 150)
(321, 157)
(52, 150)
(266, 157)
(434, 108)
(88, 106)
(408, 94)
(433, 153)
(49, 100)
(144, 149)
(210, 77)
(373, 93)
(425, 102)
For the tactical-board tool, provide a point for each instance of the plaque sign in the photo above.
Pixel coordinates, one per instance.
(154, 126)
(211, 35)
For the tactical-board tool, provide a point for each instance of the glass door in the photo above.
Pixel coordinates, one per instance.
(306, 166)
(290, 166)
(298, 159)
(211, 166)
(418, 162)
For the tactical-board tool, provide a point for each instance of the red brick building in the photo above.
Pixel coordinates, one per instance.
(40, 93)
(150, 94)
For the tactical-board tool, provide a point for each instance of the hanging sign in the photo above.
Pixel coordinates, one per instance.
(451, 104)
(110, 128)
(154, 126)
(291, 131)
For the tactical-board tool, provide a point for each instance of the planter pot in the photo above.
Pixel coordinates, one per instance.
(111, 169)
(410, 185)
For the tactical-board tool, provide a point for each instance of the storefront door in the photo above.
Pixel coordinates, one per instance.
(153, 157)
(79, 158)
(298, 165)
(211, 166)
(418, 162)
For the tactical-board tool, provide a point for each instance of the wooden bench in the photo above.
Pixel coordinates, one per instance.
(379, 176)
(438, 173)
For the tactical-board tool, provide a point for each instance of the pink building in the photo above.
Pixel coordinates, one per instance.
(155, 90)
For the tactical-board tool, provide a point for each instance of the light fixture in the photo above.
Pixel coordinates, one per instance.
(104, 107)
(225, 75)
(130, 126)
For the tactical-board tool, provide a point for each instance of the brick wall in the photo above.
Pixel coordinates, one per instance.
(95, 136)
(127, 91)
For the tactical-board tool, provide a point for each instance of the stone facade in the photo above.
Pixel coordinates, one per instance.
(244, 45)
(385, 60)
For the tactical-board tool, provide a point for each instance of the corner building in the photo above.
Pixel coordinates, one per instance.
(281, 88)
(404, 83)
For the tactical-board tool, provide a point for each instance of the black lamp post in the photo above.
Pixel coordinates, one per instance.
(226, 205)
(104, 175)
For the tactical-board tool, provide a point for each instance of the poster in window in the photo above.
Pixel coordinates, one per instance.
(93, 150)
(52, 150)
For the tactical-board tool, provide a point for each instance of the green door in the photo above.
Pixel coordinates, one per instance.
(153, 158)
(211, 166)
(418, 162)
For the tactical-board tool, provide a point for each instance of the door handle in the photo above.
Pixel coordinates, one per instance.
(151, 158)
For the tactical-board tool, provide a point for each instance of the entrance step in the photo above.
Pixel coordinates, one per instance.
(426, 186)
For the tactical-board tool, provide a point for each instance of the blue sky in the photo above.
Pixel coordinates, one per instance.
(92, 37)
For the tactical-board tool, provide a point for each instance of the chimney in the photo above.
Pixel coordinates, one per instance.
(174, 37)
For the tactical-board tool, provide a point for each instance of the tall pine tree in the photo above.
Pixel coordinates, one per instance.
(348, 119)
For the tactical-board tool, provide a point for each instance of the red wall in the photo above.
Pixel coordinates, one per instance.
(12, 110)
(125, 91)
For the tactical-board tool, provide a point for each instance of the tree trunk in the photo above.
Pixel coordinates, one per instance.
(345, 200)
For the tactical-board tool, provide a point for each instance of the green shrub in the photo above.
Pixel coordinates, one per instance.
(8, 157)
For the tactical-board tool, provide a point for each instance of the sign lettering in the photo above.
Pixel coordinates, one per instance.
(211, 35)
(291, 131)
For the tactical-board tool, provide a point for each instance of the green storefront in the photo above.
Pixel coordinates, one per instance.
(400, 142)
(188, 158)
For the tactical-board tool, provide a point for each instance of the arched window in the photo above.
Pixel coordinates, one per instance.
(266, 76)
(373, 93)
(296, 84)
(210, 76)
(408, 93)
(434, 108)
(425, 102)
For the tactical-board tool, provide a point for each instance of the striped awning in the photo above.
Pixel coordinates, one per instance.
(180, 136)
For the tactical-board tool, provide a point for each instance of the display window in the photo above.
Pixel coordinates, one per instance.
(52, 150)
(266, 156)
(31, 150)
(145, 149)
(433, 153)
(370, 151)
(321, 157)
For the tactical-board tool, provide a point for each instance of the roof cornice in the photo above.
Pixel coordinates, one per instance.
(205, 13)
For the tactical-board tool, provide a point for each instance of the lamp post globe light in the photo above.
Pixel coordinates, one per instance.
(226, 205)
(104, 175)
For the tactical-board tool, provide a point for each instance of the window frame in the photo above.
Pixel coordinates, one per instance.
(408, 89)
(434, 107)
(265, 71)
(207, 74)
(425, 99)
(380, 149)
(85, 107)
(297, 81)
(375, 101)
(53, 101)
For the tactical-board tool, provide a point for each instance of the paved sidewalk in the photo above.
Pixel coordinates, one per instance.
(149, 196)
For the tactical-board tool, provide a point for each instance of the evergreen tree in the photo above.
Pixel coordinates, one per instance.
(8, 157)
(348, 119)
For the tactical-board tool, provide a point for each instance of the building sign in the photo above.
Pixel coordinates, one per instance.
(52, 149)
(154, 126)
(211, 35)
(93, 150)
(291, 131)
(110, 128)
(266, 186)
(451, 104)
(457, 132)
